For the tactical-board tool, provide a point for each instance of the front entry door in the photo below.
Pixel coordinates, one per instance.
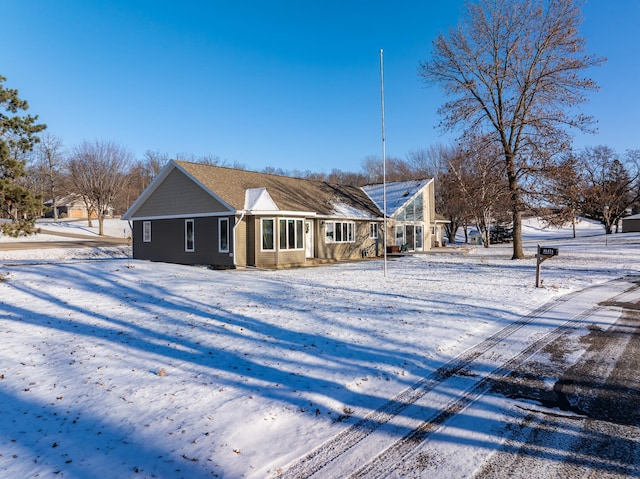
(308, 238)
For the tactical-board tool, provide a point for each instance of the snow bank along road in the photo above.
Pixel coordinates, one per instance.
(574, 415)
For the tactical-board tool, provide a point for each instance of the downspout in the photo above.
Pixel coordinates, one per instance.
(242, 213)
(131, 239)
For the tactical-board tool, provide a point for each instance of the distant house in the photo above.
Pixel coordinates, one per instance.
(631, 224)
(410, 206)
(72, 206)
(193, 213)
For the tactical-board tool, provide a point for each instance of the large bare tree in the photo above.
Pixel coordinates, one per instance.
(513, 70)
(98, 171)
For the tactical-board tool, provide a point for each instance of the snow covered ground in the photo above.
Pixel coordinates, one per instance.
(111, 367)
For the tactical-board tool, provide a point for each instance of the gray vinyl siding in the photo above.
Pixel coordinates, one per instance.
(177, 195)
(631, 225)
(168, 242)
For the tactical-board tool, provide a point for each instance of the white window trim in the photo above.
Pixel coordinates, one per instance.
(295, 234)
(351, 228)
(373, 230)
(146, 231)
(220, 222)
(193, 239)
(273, 232)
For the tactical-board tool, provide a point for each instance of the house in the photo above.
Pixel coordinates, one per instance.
(411, 217)
(631, 224)
(72, 206)
(193, 213)
(201, 214)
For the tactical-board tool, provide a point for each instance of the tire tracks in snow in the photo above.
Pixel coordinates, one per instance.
(337, 446)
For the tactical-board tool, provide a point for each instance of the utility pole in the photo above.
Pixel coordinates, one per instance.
(384, 167)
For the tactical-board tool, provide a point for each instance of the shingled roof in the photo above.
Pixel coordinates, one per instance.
(289, 194)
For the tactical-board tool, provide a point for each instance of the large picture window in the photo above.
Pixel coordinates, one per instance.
(223, 235)
(267, 234)
(189, 236)
(340, 231)
(146, 231)
(291, 234)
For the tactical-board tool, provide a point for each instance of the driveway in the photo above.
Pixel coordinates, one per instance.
(565, 405)
(75, 241)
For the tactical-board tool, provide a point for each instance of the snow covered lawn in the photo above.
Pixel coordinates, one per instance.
(111, 367)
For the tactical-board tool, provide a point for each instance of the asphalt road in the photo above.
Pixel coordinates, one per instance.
(80, 241)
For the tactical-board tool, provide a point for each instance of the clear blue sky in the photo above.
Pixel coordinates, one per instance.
(286, 84)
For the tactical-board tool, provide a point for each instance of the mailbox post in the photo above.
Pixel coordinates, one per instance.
(544, 253)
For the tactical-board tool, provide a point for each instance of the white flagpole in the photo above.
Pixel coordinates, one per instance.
(384, 167)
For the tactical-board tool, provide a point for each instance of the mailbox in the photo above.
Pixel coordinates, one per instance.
(544, 251)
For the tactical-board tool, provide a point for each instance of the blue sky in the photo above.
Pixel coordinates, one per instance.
(283, 84)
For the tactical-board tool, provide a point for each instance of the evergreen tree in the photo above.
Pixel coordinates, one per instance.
(18, 135)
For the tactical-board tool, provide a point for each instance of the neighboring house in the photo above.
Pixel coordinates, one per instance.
(193, 213)
(411, 215)
(631, 224)
(72, 206)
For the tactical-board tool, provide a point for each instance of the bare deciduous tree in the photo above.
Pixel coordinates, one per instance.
(610, 184)
(98, 172)
(49, 157)
(475, 175)
(513, 71)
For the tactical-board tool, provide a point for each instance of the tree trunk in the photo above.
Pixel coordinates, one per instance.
(518, 253)
(516, 205)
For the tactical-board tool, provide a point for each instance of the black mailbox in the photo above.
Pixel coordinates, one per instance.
(544, 251)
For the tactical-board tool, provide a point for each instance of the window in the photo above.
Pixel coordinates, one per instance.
(291, 234)
(399, 235)
(413, 211)
(410, 214)
(373, 230)
(328, 232)
(419, 207)
(339, 232)
(146, 231)
(299, 234)
(189, 236)
(223, 235)
(266, 233)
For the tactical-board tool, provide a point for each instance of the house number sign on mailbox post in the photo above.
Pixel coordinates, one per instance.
(544, 253)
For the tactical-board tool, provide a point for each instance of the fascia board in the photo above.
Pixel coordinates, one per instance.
(280, 213)
(182, 215)
(350, 218)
